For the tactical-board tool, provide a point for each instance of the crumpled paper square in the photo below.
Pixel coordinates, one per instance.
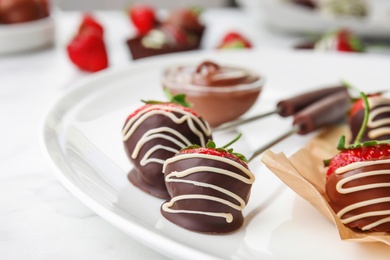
(305, 174)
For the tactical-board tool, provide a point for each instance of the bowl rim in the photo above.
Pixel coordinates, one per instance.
(35, 25)
(255, 85)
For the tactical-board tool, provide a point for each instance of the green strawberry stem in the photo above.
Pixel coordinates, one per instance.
(232, 141)
(341, 145)
(365, 119)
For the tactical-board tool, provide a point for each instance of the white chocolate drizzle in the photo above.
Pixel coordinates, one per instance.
(342, 190)
(177, 177)
(378, 127)
(174, 136)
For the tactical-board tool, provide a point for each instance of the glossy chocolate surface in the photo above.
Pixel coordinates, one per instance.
(158, 135)
(364, 196)
(207, 194)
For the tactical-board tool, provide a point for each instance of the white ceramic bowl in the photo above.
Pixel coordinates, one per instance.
(26, 36)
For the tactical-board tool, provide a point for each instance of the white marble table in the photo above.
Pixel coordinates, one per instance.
(39, 218)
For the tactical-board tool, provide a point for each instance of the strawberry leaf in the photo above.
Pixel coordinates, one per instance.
(356, 44)
(152, 102)
(327, 162)
(341, 144)
(211, 144)
(179, 99)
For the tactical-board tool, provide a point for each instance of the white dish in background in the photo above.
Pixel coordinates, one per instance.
(26, 36)
(287, 17)
(81, 136)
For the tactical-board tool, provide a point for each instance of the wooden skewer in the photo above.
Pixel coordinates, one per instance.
(287, 107)
(327, 111)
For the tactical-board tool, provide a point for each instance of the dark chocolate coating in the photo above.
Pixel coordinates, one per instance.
(356, 122)
(291, 106)
(329, 110)
(149, 177)
(339, 201)
(200, 222)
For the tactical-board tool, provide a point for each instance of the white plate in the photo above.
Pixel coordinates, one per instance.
(81, 136)
(26, 36)
(292, 18)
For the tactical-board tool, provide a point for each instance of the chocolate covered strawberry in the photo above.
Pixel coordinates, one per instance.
(209, 188)
(358, 183)
(156, 132)
(378, 121)
(341, 40)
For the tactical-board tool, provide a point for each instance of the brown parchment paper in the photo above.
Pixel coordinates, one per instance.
(305, 174)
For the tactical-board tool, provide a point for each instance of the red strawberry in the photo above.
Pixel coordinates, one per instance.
(89, 22)
(234, 40)
(216, 152)
(359, 154)
(143, 17)
(88, 51)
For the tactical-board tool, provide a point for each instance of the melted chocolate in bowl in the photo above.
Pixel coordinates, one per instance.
(219, 93)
